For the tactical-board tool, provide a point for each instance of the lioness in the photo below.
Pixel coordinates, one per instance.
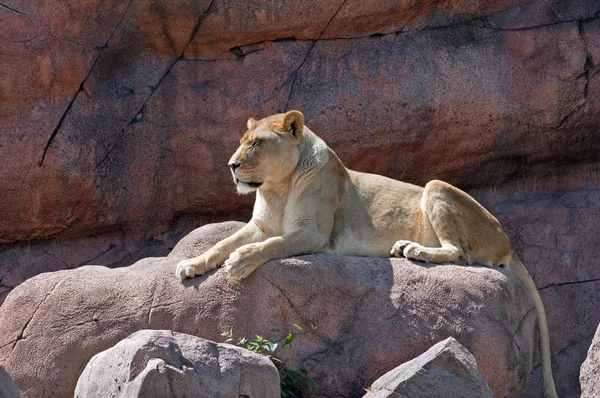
(307, 202)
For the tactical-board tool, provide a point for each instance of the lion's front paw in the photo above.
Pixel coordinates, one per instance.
(243, 261)
(198, 265)
(398, 249)
(187, 269)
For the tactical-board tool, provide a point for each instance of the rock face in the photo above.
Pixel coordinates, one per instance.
(590, 370)
(445, 370)
(8, 389)
(370, 314)
(167, 364)
(118, 118)
(106, 109)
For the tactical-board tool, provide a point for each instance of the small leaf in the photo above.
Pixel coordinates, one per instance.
(227, 333)
(289, 338)
(292, 373)
(298, 327)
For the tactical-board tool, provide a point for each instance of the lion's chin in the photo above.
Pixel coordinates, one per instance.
(246, 187)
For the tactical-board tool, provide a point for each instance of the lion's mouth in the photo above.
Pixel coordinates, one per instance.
(250, 184)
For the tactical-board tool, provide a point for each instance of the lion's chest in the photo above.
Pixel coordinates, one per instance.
(280, 220)
(273, 211)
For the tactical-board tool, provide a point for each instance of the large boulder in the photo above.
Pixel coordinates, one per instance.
(445, 370)
(590, 370)
(370, 314)
(8, 388)
(161, 363)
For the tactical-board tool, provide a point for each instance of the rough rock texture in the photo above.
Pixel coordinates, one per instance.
(8, 388)
(445, 370)
(117, 118)
(556, 238)
(590, 370)
(122, 114)
(161, 363)
(370, 314)
(22, 261)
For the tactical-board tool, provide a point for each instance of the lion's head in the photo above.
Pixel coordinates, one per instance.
(268, 151)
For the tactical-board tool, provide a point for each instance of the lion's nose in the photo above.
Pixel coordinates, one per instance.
(234, 166)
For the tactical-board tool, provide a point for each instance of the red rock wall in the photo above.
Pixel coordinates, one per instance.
(117, 118)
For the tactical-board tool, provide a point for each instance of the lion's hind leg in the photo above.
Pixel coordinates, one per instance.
(458, 221)
(448, 253)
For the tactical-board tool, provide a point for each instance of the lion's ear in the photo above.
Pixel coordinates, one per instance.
(293, 121)
(251, 123)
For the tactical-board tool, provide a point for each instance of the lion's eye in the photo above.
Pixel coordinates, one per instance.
(255, 143)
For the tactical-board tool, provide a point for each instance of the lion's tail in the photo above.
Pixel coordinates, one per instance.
(519, 270)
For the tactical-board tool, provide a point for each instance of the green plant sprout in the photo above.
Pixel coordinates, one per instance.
(291, 381)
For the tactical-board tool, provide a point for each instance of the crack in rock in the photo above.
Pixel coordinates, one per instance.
(21, 334)
(314, 42)
(583, 339)
(117, 141)
(478, 22)
(587, 65)
(568, 283)
(160, 81)
(589, 336)
(323, 339)
(519, 327)
(152, 302)
(80, 89)
(179, 57)
(14, 10)
(87, 262)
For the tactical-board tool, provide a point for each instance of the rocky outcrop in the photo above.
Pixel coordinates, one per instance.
(20, 262)
(590, 370)
(8, 389)
(370, 315)
(167, 364)
(445, 370)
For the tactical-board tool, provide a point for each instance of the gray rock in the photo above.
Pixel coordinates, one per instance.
(162, 363)
(8, 388)
(445, 370)
(589, 377)
(371, 314)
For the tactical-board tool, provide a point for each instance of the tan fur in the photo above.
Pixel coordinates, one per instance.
(308, 202)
